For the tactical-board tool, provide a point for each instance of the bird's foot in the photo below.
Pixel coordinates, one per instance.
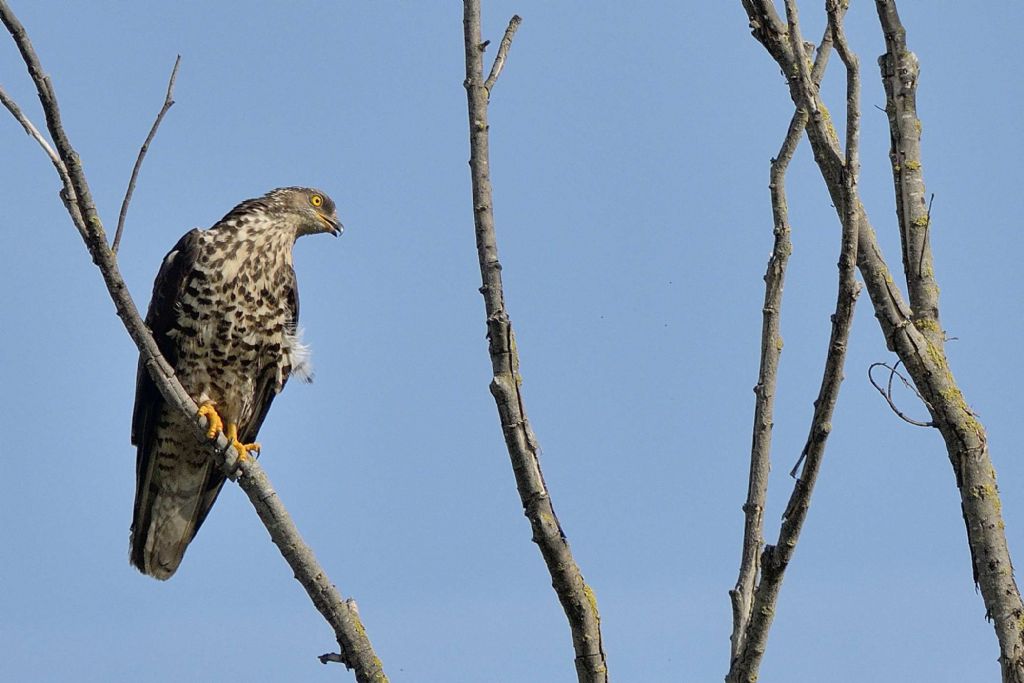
(214, 425)
(243, 449)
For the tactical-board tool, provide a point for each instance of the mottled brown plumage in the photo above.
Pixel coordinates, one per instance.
(224, 312)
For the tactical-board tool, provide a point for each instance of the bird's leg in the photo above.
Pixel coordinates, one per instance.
(243, 448)
(213, 422)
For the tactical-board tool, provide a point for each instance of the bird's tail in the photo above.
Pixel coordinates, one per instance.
(177, 483)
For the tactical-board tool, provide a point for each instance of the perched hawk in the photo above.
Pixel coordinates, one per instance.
(224, 312)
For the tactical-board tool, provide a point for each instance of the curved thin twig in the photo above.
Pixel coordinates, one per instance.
(168, 103)
(887, 392)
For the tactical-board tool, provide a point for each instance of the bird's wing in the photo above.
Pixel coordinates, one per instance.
(267, 384)
(167, 289)
(170, 283)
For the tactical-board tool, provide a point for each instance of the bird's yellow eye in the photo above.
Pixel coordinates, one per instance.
(316, 200)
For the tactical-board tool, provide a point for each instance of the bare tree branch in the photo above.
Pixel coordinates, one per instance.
(836, 9)
(922, 352)
(34, 133)
(807, 88)
(742, 595)
(775, 558)
(746, 660)
(576, 596)
(356, 651)
(900, 71)
(30, 128)
(503, 48)
(168, 103)
(966, 441)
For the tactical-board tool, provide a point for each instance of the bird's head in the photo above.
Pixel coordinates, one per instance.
(312, 210)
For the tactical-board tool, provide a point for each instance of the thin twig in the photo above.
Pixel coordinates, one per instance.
(503, 48)
(927, 247)
(34, 133)
(355, 646)
(30, 128)
(887, 392)
(577, 598)
(168, 103)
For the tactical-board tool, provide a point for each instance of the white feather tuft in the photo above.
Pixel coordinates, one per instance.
(300, 354)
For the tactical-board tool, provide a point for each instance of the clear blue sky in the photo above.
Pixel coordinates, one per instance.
(630, 159)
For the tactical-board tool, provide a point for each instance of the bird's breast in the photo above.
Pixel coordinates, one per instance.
(232, 323)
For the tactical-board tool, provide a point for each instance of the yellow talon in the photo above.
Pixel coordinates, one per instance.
(215, 425)
(213, 421)
(242, 448)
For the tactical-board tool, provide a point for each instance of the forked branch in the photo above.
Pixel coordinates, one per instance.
(742, 595)
(356, 651)
(576, 596)
(749, 645)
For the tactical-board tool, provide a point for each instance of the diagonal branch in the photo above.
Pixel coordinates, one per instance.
(34, 133)
(503, 48)
(168, 103)
(966, 441)
(356, 651)
(921, 351)
(576, 596)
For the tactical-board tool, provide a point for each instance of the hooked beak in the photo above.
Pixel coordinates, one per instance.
(334, 226)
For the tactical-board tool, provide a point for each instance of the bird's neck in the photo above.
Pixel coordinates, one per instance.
(253, 248)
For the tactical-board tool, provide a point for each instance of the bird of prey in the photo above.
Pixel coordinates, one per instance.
(224, 313)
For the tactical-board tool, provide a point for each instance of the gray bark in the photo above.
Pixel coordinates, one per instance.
(576, 596)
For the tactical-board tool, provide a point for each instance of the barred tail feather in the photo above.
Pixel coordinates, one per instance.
(177, 485)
